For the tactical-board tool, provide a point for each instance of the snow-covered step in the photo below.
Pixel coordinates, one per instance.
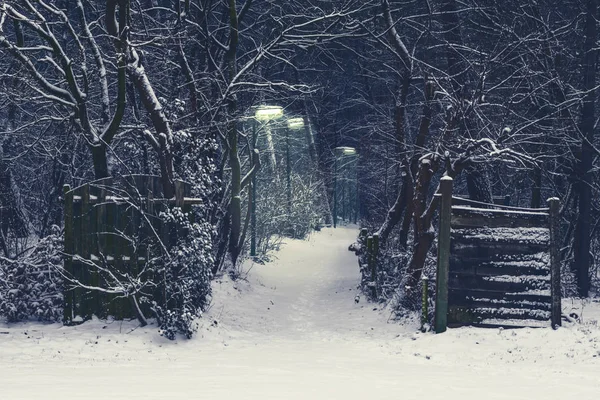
(469, 217)
(507, 302)
(477, 266)
(490, 247)
(537, 296)
(477, 315)
(501, 283)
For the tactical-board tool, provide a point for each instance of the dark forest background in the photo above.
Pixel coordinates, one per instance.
(499, 95)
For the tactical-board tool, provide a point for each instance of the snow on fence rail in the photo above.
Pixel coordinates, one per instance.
(107, 224)
(497, 265)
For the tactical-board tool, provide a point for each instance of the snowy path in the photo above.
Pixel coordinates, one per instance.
(307, 293)
(293, 331)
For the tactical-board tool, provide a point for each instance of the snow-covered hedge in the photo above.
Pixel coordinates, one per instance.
(31, 285)
(186, 277)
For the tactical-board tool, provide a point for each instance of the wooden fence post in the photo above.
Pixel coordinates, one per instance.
(98, 246)
(68, 249)
(555, 287)
(370, 257)
(369, 251)
(424, 302)
(374, 264)
(86, 297)
(179, 194)
(443, 256)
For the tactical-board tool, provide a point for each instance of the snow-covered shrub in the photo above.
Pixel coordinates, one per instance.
(391, 277)
(31, 285)
(390, 266)
(305, 214)
(275, 218)
(185, 273)
(185, 276)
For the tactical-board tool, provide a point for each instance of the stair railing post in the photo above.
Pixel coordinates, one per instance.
(443, 256)
(555, 287)
(424, 302)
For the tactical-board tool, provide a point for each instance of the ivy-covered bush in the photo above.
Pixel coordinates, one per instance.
(185, 272)
(31, 285)
(185, 276)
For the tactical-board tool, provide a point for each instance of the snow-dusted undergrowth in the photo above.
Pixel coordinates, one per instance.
(292, 330)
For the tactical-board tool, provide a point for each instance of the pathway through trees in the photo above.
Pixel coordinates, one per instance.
(310, 290)
(292, 330)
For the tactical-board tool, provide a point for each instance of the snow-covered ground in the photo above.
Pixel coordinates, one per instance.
(292, 330)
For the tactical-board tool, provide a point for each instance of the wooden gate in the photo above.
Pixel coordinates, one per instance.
(497, 265)
(107, 226)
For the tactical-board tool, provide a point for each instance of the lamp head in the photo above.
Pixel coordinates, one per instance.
(267, 113)
(295, 123)
(345, 151)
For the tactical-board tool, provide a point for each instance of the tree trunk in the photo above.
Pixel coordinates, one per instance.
(235, 205)
(478, 183)
(581, 262)
(424, 235)
(100, 161)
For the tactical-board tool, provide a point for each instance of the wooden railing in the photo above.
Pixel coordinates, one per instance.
(496, 263)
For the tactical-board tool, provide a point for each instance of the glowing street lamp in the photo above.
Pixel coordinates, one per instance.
(342, 151)
(267, 113)
(345, 151)
(295, 123)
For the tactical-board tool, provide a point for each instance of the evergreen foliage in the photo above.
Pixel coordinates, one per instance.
(185, 277)
(31, 285)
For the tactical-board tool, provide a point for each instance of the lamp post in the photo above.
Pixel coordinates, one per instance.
(265, 114)
(356, 192)
(340, 152)
(293, 124)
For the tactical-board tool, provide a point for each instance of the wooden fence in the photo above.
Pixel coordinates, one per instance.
(497, 265)
(111, 230)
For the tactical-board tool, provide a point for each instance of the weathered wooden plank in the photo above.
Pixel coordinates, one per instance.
(179, 193)
(485, 267)
(540, 258)
(536, 297)
(493, 250)
(69, 251)
(495, 323)
(499, 202)
(468, 217)
(503, 235)
(187, 206)
(126, 199)
(483, 302)
(443, 256)
(110, 251)
(466, 315)
(85, 252)
(77, 245)
(555, 286)
(129, 258)
(95, 238)
(505, 283)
